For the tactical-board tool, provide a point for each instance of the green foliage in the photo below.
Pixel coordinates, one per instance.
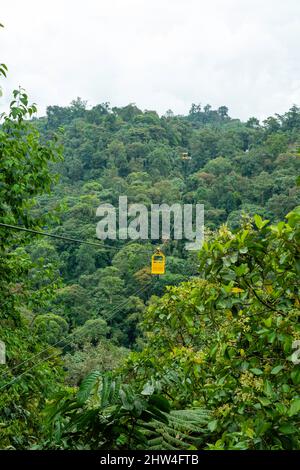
(92, 331)
(236, 169)
(185, 429)
(219, 346)
(108, 414)
(51, 328)
(225, 343)
(25, 173)
(79, 362)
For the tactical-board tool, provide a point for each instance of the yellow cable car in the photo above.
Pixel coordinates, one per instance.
(158, 264)
(185, 156)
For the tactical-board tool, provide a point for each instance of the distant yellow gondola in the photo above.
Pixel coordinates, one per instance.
(158, 264)
(185, 156)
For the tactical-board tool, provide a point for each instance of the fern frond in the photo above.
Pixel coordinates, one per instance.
(183, 429)
(155, 442)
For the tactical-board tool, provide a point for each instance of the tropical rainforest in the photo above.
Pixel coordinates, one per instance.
(101, 354)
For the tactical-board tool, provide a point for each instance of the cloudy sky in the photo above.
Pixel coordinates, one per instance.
(159, 54)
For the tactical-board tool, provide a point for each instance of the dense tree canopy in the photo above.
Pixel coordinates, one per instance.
(201, 357)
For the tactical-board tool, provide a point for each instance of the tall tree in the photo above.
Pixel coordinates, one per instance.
(24, 382)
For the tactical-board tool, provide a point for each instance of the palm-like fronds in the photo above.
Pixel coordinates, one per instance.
(99, 389)
(105, 410)
(184, 429)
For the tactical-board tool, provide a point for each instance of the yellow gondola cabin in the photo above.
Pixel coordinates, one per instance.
(158, 263)
(185, 156)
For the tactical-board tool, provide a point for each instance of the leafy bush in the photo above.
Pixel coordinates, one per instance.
(108, 414)
(226, 342)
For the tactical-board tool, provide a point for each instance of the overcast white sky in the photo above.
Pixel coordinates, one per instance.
(159, 54)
